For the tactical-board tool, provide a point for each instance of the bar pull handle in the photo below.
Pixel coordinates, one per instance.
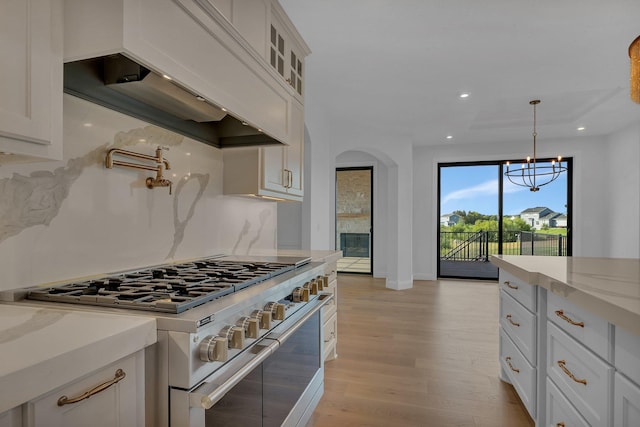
(560, 314)
(509, 285)
(508, 360)
(562, 365)
(511, 321)
(119, 376)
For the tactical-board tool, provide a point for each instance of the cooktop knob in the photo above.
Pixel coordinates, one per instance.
(312, 286)
(297, 294)
(250, 325)
(276, 309)
(263, 317)
(213, 349)
(320, 280)
(234, 336)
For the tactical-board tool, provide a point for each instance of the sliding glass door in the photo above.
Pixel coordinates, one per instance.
(482, 213)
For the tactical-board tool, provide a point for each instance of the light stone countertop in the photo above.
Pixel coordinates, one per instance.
(42, 349)
(327, 256)
(607, 287)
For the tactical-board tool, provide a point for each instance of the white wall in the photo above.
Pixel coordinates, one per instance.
(62, 220)
(623, 195)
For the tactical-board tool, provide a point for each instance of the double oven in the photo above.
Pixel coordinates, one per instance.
(240, 340)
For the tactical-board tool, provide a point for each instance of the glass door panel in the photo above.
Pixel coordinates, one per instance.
(537, 222)
(469, 212)
(354, 221)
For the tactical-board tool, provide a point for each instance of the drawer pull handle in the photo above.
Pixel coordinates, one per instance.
(561, 364)
(64, 400)
(511, 321)
(560, 314)
(508, 360)
(509, 285)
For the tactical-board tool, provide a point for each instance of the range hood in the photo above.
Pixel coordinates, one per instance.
(118, 83)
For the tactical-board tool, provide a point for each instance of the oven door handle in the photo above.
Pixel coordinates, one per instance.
(209, 393)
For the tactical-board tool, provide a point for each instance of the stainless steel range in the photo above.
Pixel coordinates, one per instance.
(239, 339)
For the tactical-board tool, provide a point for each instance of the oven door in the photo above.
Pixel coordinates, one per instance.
(278, 381)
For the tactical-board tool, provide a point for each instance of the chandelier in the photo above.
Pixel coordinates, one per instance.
(634, 56)
(531, 174)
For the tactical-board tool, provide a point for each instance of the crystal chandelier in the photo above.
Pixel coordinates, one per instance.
(531, 174)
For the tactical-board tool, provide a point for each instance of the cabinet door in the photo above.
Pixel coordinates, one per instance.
(273, 169)
(121, 404)
(626, 403)
(295, 151)
(31, 84)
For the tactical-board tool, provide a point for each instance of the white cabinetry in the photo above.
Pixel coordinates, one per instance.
(194, 43)
(114, 397)
(272, 172)
(31, 84)
(11, 418)
(330, 312)
(588, 370)
(287, 50)
(519, 345)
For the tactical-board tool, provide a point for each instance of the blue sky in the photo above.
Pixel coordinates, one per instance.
(475, 188)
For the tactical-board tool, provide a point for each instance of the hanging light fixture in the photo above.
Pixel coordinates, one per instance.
(533, 175)
(634, 56)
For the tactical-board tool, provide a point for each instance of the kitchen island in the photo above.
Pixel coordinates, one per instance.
(570, 338)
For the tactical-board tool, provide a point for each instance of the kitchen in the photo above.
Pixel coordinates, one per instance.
(152, 226)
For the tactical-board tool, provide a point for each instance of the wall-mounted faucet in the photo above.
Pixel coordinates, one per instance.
(160, 165)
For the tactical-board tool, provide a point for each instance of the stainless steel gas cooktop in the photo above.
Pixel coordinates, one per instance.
(170, 288)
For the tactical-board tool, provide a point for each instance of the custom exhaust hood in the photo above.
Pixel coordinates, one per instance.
(118, 83)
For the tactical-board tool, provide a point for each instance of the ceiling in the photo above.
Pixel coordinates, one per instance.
(399, 66)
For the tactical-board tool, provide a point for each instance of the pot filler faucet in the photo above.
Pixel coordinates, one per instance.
(160, 165)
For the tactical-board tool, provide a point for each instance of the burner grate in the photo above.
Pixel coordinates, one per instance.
(170, 288)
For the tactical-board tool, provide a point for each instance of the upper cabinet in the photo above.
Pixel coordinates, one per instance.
(215, 49)
(287, 52)
(31, 87)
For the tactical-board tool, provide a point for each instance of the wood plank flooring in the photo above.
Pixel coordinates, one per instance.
(426, 356)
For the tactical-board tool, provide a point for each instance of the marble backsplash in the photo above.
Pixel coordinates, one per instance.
(75, 218)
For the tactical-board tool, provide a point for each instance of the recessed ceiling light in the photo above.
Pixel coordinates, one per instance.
(581, 128)
(199, 98)
(142, 140)
(259, 130)
(224, 109)
(188, 154)
(245, 124)
(464, 95)
(166, 77)
(449, 136)
(87, 125)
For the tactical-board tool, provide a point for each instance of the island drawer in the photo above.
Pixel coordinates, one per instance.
(584, 378)
(560, 412)
(520, 325)
(523, 292)
(589, 329)
(520, 372)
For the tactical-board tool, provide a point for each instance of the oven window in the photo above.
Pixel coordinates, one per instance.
(267, 395)
(289, 370)
(242, 406)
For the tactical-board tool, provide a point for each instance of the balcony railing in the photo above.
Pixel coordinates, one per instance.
(477, 246)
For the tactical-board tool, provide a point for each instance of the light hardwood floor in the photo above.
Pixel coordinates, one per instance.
(426, 356)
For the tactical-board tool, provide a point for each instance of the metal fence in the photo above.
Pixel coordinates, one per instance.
(477, 246)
